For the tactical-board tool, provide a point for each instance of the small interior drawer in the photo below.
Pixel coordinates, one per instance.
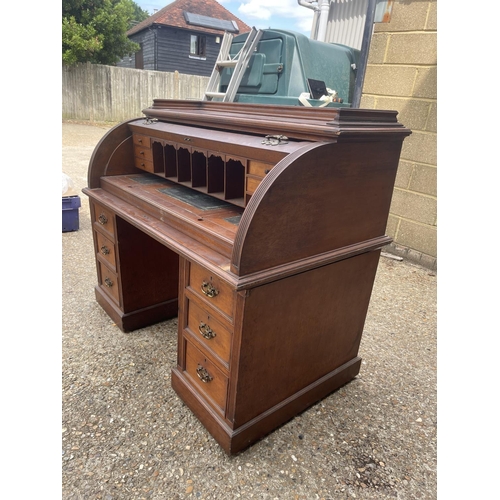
(145, 165)
(208, 330)
(258, 168)
(143, 153)
(108, 281)
(140, 140)
(209, 381)
(211, 288)
(252, 183)
(106, 249)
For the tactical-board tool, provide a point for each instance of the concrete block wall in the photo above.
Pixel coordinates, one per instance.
(402, 75)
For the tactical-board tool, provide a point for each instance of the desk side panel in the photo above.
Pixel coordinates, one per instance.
(113, 155)
(297, 332)
(325, 197)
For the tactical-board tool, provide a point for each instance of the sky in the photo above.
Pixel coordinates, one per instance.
(278, 14)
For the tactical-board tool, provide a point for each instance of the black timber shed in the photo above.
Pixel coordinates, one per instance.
(184, 36)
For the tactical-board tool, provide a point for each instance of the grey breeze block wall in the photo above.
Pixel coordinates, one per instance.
(402, 75)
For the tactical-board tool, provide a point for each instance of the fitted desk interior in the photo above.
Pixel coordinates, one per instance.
(260, 227)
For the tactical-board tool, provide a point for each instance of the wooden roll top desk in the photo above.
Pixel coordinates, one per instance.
(261, 228)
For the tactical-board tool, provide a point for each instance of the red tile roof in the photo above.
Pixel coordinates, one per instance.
(172, 15)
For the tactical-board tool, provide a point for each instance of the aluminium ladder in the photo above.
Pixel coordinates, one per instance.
(239, 63)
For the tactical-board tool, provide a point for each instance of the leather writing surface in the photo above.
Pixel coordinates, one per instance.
(198, 200)
(144, 178)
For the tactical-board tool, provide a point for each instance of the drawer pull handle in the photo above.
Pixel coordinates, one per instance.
(108, 282)
(203, 374)
(209, 290)
(102, 219)
(105, 250)
(206, 331)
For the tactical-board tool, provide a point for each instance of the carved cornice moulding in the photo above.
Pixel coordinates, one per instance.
(311, 123)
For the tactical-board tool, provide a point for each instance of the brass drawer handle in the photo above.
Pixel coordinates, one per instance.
(203, 374)
(108, 282)
(206, 331)
(102, 219)
(209, 290)
(105, 250)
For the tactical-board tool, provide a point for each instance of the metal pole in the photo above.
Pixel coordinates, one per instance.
(324, 8)
(363, 57)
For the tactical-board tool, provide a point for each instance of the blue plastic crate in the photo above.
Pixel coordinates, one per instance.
(70, 215)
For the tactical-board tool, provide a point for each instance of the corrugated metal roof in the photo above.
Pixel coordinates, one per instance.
(346, 20)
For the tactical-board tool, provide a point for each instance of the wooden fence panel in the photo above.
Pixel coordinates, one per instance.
(99, 93)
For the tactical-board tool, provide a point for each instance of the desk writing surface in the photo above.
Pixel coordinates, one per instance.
(210, 223)
(162, 231)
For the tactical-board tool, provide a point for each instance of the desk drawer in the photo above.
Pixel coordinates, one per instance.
(143, 156)
(108, 281)
(145, 165)
(209, 331)
(209, 381)
(211, 288)
(143, 153)
(252, 183)
(142, 141)
(258, 168)
(104, 218)
(106, 249)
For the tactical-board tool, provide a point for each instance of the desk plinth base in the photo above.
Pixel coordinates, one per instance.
(140, 318)
(235, 440)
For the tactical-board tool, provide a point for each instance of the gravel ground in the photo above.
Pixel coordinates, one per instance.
(126, 435)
